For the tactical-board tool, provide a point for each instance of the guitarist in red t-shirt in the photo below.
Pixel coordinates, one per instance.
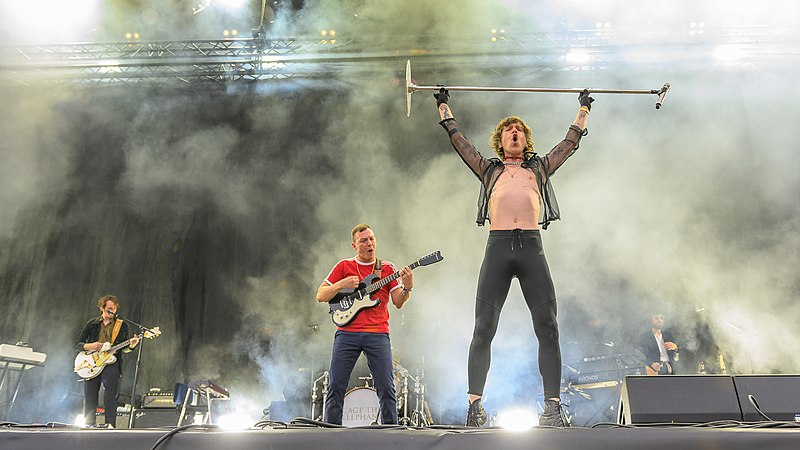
(368, 332)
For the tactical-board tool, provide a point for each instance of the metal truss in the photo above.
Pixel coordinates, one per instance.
(247, 60)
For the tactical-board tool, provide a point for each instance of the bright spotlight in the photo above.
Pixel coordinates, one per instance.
(235, 421)
(577, 57)
(230, 4)
(80, 421)
(728, 53)
(517, 419)
(323, 33)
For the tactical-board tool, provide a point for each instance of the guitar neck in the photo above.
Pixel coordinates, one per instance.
(384, 281)
(120, 345)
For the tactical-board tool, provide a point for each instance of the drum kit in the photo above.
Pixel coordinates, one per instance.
(361, 404)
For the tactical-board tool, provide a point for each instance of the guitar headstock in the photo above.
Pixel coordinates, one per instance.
(152, 333)
(431, 258)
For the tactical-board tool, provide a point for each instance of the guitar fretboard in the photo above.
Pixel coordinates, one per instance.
(384, 281)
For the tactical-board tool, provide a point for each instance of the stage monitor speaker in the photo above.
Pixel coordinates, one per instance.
(678, 399)
(778, 396)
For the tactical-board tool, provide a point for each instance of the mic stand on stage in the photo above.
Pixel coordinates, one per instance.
(314, 328)
(142, 329)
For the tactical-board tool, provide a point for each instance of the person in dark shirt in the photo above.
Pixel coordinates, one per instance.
(100, 334)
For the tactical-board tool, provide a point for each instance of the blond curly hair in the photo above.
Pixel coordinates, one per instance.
(495, 139)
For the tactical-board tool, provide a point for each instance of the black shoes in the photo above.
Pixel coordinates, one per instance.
(476, 415)
(553, 415)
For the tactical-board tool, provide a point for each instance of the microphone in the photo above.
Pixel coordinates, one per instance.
(111, 313)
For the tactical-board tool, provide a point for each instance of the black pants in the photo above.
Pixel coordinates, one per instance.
(91, 390)
(519, 253)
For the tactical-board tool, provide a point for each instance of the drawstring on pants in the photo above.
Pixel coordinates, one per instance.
(516, 233)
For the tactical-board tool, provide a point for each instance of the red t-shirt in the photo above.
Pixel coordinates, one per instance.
(375, 319)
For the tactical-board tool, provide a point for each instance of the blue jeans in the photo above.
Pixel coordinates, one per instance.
(347, 347)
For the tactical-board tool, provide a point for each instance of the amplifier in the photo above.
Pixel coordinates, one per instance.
(121, 422)
(158, 400)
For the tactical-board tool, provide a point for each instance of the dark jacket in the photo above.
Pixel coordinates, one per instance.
(488, 170)
(91, 333)
(649, 347)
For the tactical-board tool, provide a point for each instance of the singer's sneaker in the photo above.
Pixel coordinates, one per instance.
(553, 415)
(476, 415)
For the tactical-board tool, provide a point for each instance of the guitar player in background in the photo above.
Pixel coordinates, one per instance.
(100, 333)
(659, 348)
(368, 332)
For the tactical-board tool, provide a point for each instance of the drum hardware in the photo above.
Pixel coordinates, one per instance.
(418, 417)
(324, 379)
(411, 88)
(366, 380)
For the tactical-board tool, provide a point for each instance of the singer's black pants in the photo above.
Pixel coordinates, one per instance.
(109, 377)
(515, 253)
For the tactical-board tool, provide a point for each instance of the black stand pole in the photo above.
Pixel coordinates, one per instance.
(142, 328)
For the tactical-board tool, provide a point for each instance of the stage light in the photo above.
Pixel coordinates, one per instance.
(230, 4)
(80, 421)
(136, 35)
(50, 20)
(577, 57)
(226, 33)
(696, 28)
(323, 33)
(517, 419)
(497, 35)
(234, 32)
(128, 35)
(728, 53)
(235, 421)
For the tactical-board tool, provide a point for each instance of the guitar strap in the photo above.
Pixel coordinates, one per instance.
(115, 332)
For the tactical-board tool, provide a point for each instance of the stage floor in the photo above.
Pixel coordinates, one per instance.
(456, 438)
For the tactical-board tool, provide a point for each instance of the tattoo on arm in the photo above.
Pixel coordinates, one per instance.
(444, 112)
(581, 119)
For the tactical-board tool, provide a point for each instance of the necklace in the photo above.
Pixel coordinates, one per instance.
(514, 163)
(358, 269)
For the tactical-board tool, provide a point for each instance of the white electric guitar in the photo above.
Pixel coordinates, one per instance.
(89, 363)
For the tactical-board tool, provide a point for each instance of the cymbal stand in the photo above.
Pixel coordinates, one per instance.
(418, 417)
(402, 399)
(324, 378)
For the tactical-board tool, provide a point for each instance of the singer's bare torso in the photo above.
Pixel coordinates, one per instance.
(515, 200)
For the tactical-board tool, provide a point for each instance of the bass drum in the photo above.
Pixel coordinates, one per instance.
(361, 407)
